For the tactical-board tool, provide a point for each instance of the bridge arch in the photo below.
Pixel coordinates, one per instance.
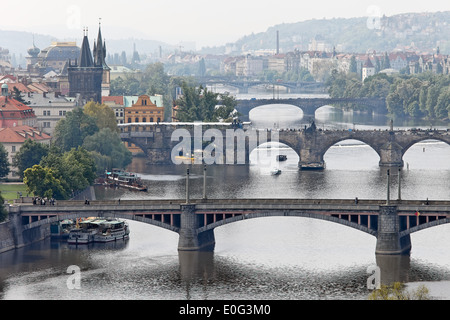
(276, 115)
(335, 142)
(123, 216)
(334, 219)
(437, 138)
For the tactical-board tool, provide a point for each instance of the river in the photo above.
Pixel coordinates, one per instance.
(278, 258)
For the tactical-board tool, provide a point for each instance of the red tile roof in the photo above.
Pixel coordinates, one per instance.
(22, 88)
(10, 104)
(115, 99)
(20, 134)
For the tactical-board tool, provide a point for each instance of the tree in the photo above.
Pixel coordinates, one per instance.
(17, 95)
(42, 182)
(80, 169)
(108, 150)
(71, 131)
(104, 115)
(353, 66)
(3, 212)
(200, 104)
(4, 162)
(397, 291)
(30, 153)
(75, 170)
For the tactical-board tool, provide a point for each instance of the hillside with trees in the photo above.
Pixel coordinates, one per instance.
(424, 95)
(420, 31)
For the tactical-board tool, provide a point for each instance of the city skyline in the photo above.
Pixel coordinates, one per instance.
(204, 22)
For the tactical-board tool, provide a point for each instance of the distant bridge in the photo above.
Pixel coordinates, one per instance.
(310, 105)
(195, 220)
(243, 85)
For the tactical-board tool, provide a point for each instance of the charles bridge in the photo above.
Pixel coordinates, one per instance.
(234, 145)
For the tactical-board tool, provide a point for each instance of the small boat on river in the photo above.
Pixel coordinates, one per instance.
(125, 179)
(275, 171)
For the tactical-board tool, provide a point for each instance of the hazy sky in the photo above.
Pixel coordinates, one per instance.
(207, 22)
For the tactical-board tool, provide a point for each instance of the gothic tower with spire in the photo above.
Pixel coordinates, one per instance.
(100, 61)
(86, 75)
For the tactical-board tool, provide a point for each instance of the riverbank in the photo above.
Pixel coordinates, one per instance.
(7, 229)
(13, 190)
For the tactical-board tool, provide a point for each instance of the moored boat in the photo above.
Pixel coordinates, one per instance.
(112, 230)
(84, 232)
(125, 179)
(61, 229)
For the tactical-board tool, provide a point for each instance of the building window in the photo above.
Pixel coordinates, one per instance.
(151, 119)
(129, 120)
(136, 119)
(144, 119)
(13, 149)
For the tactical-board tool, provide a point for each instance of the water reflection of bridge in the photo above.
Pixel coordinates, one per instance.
(390, 222)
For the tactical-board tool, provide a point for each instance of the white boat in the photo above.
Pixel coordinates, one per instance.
(275, 171)
(112, 230)
(84, 232)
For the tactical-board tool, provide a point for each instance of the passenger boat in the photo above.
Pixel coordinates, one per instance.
(84, 232)
(98, 230)
(112, 230)
(61, 229)
(125, 179)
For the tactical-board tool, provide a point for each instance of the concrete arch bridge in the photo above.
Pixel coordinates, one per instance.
(195, 220)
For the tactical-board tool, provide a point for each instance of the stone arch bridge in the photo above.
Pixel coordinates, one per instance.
(161, 142)
(195, 220)
(310, 105)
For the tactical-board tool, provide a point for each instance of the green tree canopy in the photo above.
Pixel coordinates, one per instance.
(4, 162)
(104, 115)
(108, 150)
(30, 153)
(3, 212)
(71, 131)
(200, 104)
(42, 182)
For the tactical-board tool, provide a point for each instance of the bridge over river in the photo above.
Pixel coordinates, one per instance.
(391, 221)
(310, 105)
(162, 141)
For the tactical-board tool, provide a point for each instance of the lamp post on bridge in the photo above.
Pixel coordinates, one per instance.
(388, 187)
(187, 186)
(204, 182)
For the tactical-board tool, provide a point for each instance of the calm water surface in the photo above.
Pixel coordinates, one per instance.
(278, 258)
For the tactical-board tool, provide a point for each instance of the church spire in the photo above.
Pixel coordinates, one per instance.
(99, 49)
(86, 60)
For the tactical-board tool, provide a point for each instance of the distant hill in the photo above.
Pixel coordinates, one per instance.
(420, 31)
(18, 43)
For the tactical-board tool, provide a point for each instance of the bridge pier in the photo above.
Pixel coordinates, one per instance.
(391, 155)
(190, 239)
(389, 241)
